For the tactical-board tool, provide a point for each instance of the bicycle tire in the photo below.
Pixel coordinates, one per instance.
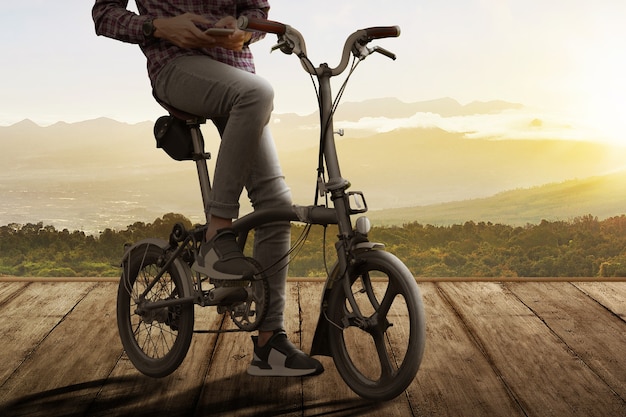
(157, 342)
(377, 359)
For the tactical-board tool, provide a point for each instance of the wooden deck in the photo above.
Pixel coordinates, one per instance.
(493, 349)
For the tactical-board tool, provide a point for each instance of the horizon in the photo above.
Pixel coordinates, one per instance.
(113, 179)
(563, 58)
(521, 123)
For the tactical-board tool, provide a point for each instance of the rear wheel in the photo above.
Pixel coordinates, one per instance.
(156, 340)
(379, 350)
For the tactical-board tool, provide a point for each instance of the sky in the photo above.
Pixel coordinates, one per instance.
(560, 57)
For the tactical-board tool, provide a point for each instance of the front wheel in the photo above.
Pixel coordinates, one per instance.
(155, 340)
(377, 343)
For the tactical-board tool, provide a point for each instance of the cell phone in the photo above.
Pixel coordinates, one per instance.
(219, 31)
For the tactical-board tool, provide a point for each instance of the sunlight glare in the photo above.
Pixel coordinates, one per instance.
(602, 65)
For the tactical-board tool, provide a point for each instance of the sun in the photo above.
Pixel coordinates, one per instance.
(608, 115)
(604, 105)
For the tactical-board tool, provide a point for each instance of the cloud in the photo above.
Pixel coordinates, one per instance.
(516, 124)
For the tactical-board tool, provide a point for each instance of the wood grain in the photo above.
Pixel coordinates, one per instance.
(493, 349)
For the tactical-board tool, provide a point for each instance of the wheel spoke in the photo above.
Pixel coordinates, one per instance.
(379, 333)
(385, 306)
(386, 364)
(369, 290)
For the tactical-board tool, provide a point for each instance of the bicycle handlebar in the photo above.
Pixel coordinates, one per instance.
(271, 26)
(380, 32)
(291, 41)
(261, 25)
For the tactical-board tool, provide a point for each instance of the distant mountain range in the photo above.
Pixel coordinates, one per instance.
(103, 173)
(602, 196)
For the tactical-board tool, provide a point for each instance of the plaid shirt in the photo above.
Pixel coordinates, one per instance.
(113, 20)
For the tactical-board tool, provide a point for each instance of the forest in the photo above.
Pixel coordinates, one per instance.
(580, 247)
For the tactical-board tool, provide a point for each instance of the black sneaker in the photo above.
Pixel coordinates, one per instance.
(220, 258)
(279, 357)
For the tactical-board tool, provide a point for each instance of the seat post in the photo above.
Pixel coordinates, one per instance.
(200, 157)
(193, 123)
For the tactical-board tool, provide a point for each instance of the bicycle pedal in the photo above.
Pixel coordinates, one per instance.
(226, 295)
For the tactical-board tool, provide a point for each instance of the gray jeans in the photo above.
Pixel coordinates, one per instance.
(240, 105)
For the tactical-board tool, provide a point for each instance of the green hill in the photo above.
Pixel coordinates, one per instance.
(601, 196)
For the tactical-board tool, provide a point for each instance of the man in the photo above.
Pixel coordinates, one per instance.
(213, 76)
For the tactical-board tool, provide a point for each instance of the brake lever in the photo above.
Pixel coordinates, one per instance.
(284, 45)
(361, 51)
(383, 51)
(291, 42)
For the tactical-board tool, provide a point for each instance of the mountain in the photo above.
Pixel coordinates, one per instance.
(103, 173)
(601, 196)
(414, 167)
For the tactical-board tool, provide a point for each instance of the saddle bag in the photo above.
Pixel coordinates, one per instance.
(173, 135)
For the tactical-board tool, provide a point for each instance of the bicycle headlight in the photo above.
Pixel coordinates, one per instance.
(363, 225)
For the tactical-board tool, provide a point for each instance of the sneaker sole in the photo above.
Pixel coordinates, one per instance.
(280, 371)
(259, 367)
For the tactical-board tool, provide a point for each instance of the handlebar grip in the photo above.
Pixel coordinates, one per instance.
(383, 32)
(261, 25)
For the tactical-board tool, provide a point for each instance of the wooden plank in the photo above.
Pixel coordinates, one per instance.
(229, 390)
(541, 371)
(10, 290)
(29, 314)
(455, 378)
(610, 294)
(596, 337)
(128, 392)
(66, 370)
(491, 350)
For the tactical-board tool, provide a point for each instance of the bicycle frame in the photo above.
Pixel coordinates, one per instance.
(291, 41)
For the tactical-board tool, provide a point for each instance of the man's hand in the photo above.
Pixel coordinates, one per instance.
(182, 31)
(235, 41)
